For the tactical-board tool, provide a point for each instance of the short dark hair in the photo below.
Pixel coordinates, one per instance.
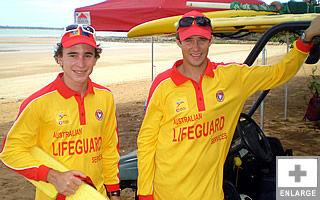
(178, 37)
(59, 48)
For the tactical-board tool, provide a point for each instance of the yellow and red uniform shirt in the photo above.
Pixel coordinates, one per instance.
(79, 132)
(188, 126)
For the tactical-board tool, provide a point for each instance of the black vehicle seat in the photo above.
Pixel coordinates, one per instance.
(277, 148)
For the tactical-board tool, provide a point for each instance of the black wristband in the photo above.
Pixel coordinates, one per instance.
(303, 39)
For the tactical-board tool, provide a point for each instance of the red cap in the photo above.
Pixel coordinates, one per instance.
(78, 37)
(185, 32)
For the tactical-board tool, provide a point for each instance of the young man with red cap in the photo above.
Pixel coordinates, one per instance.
(192, 112)
(73, 119)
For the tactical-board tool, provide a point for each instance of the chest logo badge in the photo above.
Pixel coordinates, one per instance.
(220, 96)
(99, 114)
(63, 119)
(181, 104)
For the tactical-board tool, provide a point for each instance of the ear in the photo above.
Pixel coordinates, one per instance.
(95, 61)
(60, 61)
(211, 40)
(178, 43)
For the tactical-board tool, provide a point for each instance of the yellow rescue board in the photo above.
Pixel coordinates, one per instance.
(167, 25)
(252, 23)
(258, 23)
(84, 192)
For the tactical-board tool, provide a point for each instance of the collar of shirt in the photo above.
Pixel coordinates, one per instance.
(179, 79)
(67, 92)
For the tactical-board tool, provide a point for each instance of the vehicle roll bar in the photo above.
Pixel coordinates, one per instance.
(286, 26)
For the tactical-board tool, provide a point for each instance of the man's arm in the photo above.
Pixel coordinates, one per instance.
(266, 77)
(22, 136)
(16, 156)
(110, 149)
(147, 143)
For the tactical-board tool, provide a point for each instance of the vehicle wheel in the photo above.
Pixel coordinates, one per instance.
(230, 191)
(253, 138)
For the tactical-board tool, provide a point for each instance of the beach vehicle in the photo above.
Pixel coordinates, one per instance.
(250, 167)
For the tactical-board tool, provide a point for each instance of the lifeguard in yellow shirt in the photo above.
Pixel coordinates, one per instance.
(73, 119)
(192, 112)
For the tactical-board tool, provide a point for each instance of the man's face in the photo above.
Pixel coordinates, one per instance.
(77, 62)
(195, 50)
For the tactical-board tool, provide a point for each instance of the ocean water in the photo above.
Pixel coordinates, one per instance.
(11, 40)
(50, 33)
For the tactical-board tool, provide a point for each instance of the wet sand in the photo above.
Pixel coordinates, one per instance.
(27, 65)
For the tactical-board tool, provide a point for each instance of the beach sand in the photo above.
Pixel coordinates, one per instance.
(27, 64)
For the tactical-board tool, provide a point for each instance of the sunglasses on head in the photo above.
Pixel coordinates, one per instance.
(85, 29)
(188, 21)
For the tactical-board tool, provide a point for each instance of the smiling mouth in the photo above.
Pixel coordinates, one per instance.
(78, 72)
(196, 55)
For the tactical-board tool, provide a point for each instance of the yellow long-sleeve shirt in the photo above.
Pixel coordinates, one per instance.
(188, 126)
(79, 132)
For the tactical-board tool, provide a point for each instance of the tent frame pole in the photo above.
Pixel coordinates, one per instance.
(151, 58)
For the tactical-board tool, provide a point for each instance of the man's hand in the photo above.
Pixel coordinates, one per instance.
(313, 30)
(66, 183)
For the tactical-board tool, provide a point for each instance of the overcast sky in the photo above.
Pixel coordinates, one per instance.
(45, 13)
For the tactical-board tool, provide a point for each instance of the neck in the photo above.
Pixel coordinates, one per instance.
(81, 88)
(193, 72)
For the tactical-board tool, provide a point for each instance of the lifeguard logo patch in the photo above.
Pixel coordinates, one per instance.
(181, 104)
(63, 119)
(220, 96)
(99, 114)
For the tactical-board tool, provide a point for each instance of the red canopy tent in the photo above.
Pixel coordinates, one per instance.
(122, 15)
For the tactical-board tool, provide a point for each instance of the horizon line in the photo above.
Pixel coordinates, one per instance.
(30, 27)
